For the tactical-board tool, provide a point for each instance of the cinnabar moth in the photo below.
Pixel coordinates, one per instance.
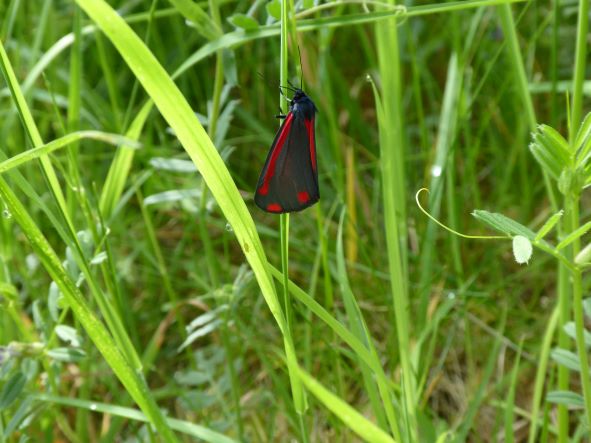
(289, 179)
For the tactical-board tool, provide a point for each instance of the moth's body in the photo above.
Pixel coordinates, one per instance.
(289, 179)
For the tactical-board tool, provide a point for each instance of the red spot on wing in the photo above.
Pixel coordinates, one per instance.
(310, 129)
(303, 197)
(276, 150)
(274, 207)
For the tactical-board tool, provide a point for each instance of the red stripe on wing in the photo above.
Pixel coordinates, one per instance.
(310, 130)
(276, 150)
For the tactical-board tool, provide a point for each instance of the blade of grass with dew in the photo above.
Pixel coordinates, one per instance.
(179, 115)
(62, 142)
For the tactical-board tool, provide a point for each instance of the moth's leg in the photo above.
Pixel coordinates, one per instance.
(280, 115)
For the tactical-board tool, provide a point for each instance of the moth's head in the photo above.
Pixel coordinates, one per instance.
(298, 95)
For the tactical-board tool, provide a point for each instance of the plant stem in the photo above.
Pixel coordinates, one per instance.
(572, 204)
(572, 221)
(580, 65)
(392, 156)
(297, 390)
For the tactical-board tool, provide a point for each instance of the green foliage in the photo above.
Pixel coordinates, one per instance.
(135, 270)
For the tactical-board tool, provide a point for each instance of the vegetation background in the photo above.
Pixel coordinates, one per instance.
(143, 295)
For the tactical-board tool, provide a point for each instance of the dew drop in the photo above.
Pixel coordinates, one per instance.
(6, 214)
(451, 295)
(436, 171)
(93, 407)
(229, 227)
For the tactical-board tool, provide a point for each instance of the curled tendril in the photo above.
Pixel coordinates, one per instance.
(459, 234)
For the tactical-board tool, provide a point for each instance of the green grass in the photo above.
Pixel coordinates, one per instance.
(144, 296)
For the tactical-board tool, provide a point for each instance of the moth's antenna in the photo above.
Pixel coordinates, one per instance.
(301, 69)
(290, 87)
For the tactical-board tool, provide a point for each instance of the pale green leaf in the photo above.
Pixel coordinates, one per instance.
(522, 249)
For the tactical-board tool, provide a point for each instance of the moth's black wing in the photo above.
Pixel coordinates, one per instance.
(289, 180)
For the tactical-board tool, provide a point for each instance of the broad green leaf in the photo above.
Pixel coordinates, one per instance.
(583, 140)
(68, 334)
(11, 390)
(550, 223)
(566, 358)
(243, 21)
(556, 141)
(584, 255)
(503, 224)
(571, 331)
(570, 181)
(274, 9)
(173, 196)
(547, 161)
(8, 291)
(200, 332)
(522, 249)
(67, 355)
(53, 301)
(551, 150)
(587, 306)
(195, 14)
(173, 165)
(567, 398)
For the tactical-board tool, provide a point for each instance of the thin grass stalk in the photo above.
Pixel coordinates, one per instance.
(384, 410)
(540, 379)
(563, 290)
(298, 393)
(572, 202)
(446, 132)
(392, 159)
(396, 269)
(554, 63)
(73, 120)
(579, 67)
